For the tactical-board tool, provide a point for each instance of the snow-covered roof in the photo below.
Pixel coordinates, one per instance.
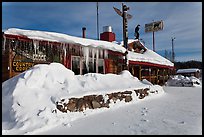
(64, 38)
(188, 70)
(149, 56)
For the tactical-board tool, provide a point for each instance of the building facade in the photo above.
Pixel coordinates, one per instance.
(22, 49)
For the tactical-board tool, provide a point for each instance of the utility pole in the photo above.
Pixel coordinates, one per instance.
(97, 22)
(153, 41)
(173, 54)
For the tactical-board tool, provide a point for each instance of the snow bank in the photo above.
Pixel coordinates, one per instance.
(28, 99)
(182, 81)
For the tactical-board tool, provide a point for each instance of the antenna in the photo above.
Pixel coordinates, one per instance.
(173, 54)
(97, 22)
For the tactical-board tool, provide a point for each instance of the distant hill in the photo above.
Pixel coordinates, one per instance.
(188, 64)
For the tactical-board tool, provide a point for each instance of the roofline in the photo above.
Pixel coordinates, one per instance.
(150, 64)
(20, 37)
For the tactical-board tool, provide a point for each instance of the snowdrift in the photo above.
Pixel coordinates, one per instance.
(182, 81)
(28, 99)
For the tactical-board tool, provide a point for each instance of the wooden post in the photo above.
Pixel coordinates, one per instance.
(163, 76)
(150, 74)
(10, 62)
(157, 76)
(153, 42)
(81, 65)
(140, 71)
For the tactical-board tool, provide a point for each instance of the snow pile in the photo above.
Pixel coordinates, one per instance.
(182, 81)
(28, 99)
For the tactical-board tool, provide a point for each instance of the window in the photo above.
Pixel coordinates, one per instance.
(101, 66)
(76, 65)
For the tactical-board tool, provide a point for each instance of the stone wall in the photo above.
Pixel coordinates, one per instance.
(99, 101)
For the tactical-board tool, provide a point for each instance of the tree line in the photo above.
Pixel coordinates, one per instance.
(188, 64)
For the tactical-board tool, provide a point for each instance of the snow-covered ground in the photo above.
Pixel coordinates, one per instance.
(28, 101)
(183, 81)
(176, 112)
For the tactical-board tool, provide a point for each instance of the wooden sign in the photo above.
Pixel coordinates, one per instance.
(154, 26)
(21, 66)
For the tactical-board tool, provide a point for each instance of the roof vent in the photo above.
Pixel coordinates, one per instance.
(83, 32)
(107, 29)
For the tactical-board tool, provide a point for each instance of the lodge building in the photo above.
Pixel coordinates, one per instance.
(22, 49)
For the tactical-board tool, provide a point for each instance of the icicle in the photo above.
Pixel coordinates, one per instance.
(64, 48)
(97, 56)
(93, 56)
(65, 53)
(36, 46)
(105, 54)
(101, 53)
(86, 56)
(36, 49)
(4, 48)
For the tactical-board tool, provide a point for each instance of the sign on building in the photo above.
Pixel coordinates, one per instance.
(19, 66)
(154, 26)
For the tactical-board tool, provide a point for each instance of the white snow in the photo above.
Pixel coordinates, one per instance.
(176, 112)
(64, 38)
(183, 81)
(148, 56)
(29, 98)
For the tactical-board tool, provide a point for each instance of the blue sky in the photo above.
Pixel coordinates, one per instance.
(182, 20)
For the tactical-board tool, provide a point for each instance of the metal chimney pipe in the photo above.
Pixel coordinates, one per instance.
(83, 32)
